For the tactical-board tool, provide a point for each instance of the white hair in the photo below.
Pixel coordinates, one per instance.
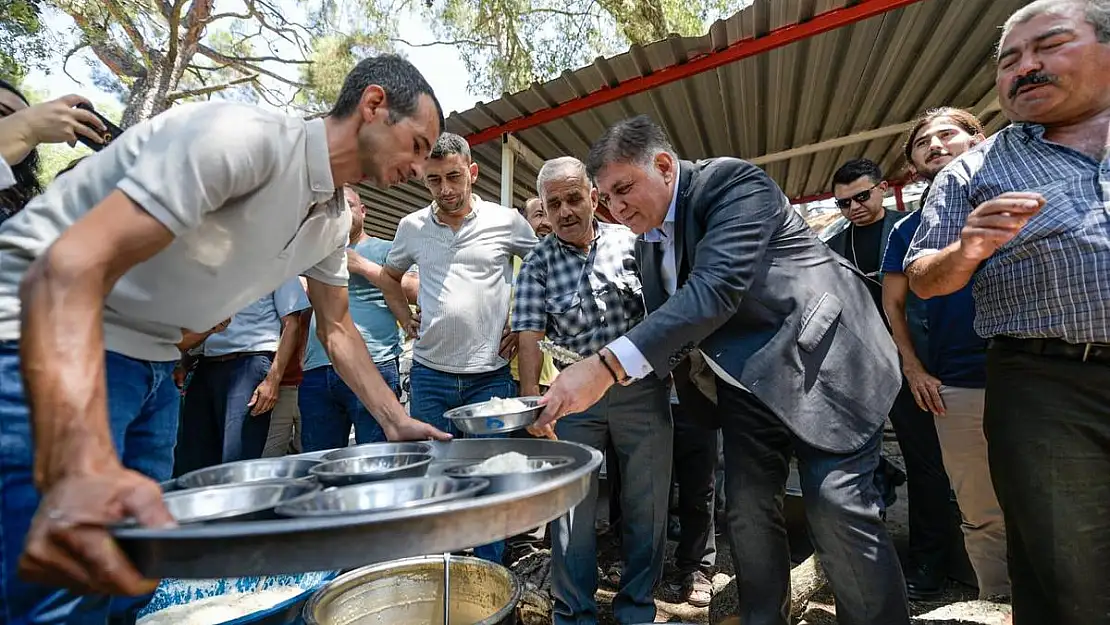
(1095, 12)
(564, 166)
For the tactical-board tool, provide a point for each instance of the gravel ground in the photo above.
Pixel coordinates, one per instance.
(958, 605)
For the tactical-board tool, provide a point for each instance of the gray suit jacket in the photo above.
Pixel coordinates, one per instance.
(770, 304)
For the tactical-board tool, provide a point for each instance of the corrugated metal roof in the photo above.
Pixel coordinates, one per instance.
(789, 109)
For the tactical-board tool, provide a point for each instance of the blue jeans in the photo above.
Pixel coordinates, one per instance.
(435, 392)
(143, 406)
(329, 408)
(216, 423)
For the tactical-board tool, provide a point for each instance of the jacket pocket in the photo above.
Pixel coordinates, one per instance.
(817, 319)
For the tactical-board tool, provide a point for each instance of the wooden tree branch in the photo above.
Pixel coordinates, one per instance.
(223, 16)
(119, 60)
(451, 42)
(65, 60)
(172, 15)
(246, 66)
(129, 27)
(190, 93)
(276, 59)
(194, 22)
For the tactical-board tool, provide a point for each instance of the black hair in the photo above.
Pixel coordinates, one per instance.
(26, 173)
(447, 144)
(402, 82)
(634, 140)
(857, 168)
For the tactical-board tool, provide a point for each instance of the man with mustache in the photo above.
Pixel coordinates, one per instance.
(463, 247)
(580, 289)
(1024, 218)
(536, 215)
(948, 378)
(859, 189)
(803, 364)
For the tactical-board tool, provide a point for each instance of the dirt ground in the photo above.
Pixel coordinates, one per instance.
(958, 605)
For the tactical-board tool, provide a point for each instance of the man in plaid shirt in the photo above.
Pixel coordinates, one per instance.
(581, 290)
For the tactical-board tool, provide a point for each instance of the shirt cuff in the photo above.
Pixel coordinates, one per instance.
(634, 363)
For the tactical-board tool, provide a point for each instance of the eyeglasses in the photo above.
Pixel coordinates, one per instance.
(861, 197)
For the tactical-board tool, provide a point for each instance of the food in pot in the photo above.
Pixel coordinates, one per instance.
(221, 608)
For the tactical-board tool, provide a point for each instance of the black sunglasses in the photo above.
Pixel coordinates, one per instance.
(861, 197)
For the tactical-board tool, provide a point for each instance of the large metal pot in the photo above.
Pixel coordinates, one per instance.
(410, 592)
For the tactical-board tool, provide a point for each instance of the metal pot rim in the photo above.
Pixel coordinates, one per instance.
(516, 590)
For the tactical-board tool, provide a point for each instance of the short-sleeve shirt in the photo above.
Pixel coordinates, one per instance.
(257, 328)
(371, 315)
(954, 353)
(1049, 281)
(581, 300)
(248, 194)
(465, 279)
(548, 372)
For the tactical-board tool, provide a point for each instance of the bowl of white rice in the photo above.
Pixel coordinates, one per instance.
(510, 471)
(496, 416)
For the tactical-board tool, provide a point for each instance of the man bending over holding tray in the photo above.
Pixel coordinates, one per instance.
(179, 223)
(580, 290)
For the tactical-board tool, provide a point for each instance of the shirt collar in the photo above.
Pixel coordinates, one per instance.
(319, 160)
(475, 203)
(597, 235)
(656, 235)
(1031, 130)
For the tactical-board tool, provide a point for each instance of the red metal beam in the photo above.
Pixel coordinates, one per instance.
(829, 20)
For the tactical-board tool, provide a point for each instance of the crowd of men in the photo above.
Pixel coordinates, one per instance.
(978, 326)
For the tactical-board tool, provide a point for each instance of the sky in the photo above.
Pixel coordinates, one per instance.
(440, 64)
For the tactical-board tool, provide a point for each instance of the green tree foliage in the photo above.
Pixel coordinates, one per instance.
(508, 44)
(24, 42)
(158, 52)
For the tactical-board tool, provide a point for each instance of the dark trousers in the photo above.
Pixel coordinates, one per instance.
(931, 520)
(695, 472)
(842, 510)
(216, 423)
(1047, 423)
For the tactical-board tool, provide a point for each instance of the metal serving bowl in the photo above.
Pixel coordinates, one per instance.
(505, 482)
(377, 449)
(408, 591)
(473, 420)
(379, 496)
(235, 502)
(247, 471)
(347, 471)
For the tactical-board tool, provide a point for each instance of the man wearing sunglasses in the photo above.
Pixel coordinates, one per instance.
(859, 189)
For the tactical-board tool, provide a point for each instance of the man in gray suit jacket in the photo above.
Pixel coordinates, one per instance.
(804, 364)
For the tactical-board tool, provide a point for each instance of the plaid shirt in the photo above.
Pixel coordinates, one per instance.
(1053, 279)
(581, 301)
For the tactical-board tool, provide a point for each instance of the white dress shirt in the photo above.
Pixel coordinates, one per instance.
(630, 357)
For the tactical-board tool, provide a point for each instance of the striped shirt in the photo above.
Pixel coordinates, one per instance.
(581, 300)
(465, 279)
(1053, 279)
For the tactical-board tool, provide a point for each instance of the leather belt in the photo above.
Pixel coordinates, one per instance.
(234, 356)
(1056, 348)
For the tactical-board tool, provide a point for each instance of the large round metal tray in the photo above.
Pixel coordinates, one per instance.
(298, 545)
